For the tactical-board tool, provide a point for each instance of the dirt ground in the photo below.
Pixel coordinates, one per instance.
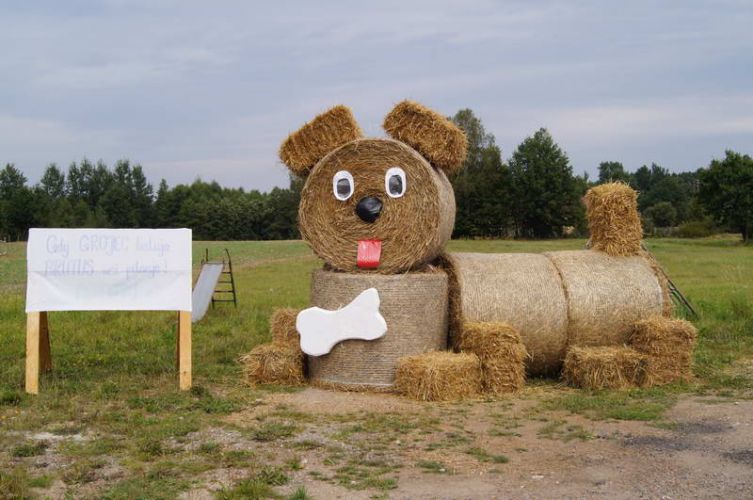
(704, 448)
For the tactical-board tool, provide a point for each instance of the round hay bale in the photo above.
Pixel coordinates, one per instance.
(604, 367)
(282, 326)
(501, 352)
(613, 219)
(523, 290)
(413, 228)
(273, 364)
(668, 345)
(439, 376)
(606, 295)
(414, 305)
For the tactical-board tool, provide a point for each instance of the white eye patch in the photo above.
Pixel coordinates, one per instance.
(394, 182)
(343, 185)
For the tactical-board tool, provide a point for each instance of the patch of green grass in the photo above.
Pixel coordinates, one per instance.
(300, 494)
(356, 476)
(83, 471)
(10, 398)
(248, 489)
(634, 404)
(146, 487)
(15, 484)
(432, 466)
(484, 456)
(30, 449)
(273, 430)
(560, 429)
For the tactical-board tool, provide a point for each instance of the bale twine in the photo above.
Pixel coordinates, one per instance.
(431, 134)
(523, 290)
(282, 326)
(605, 295)
(613, 219)
(668, 345)
(502, 355)
(414, 305)
(328, 131)
(604, 367)
(413, 228)
(439, 376)
(273, 364)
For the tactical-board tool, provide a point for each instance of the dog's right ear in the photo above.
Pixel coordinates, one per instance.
(312, 142)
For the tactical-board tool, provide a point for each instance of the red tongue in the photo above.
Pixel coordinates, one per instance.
(369, 252)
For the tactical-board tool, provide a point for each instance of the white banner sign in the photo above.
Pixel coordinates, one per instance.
(108, 269)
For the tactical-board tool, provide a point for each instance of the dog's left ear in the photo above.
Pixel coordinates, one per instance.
(434, 136)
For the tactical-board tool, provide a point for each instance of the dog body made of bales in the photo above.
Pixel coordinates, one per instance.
(379, 211)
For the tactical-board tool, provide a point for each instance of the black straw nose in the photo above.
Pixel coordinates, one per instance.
(369, 208)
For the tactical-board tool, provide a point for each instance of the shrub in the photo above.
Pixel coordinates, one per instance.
(696, 229)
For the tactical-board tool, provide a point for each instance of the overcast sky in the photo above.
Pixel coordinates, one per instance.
(210, 89)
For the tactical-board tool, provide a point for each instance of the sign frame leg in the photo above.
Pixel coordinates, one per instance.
(45, 355)
(33, 320)
(184, 350)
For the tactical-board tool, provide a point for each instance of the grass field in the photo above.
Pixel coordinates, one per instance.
(110, 422)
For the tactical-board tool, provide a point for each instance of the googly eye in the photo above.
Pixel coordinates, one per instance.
(394, 182)
(343, 185)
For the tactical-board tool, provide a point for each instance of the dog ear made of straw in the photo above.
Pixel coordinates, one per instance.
(434, 136)
(312, 142)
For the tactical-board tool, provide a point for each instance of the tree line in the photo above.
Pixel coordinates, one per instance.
(534, 194)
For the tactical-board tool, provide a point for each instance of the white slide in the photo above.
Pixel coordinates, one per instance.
(204, 289)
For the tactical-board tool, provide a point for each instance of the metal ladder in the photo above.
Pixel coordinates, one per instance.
(226, 278)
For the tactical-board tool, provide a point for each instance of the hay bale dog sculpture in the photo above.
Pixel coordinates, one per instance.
(393, 312)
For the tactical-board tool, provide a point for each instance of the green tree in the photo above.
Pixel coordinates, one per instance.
(18, 204)
(483, 185)
(662, 214)
(53, 182)
(545, 190)
(611, 171)
(726, 191)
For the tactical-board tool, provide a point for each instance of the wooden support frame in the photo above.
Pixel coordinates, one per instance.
(39, 356)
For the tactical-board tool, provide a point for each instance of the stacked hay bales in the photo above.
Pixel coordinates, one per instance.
(613, 219)
(523, 290)
(554, 300)
(273, 364)
(439, 376)
(413, 229)
(414, 305)
(281, 361)
(502, 355)
(668, 346)
(282, 326)
(604, 367)
(606, 295)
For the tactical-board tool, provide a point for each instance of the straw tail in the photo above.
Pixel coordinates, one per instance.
(613, 219)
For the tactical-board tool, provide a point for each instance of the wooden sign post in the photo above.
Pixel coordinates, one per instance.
(106, 269)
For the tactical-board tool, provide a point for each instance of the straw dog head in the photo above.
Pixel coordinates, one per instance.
(371, 204)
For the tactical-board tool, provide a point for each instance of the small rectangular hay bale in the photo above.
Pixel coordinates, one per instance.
(438, 376)
(282, 326)
(273, 364)
(501, 352)
(668, 345)
(604, 367)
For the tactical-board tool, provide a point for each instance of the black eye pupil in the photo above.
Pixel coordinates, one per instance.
(396, 184)
(343, 187)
